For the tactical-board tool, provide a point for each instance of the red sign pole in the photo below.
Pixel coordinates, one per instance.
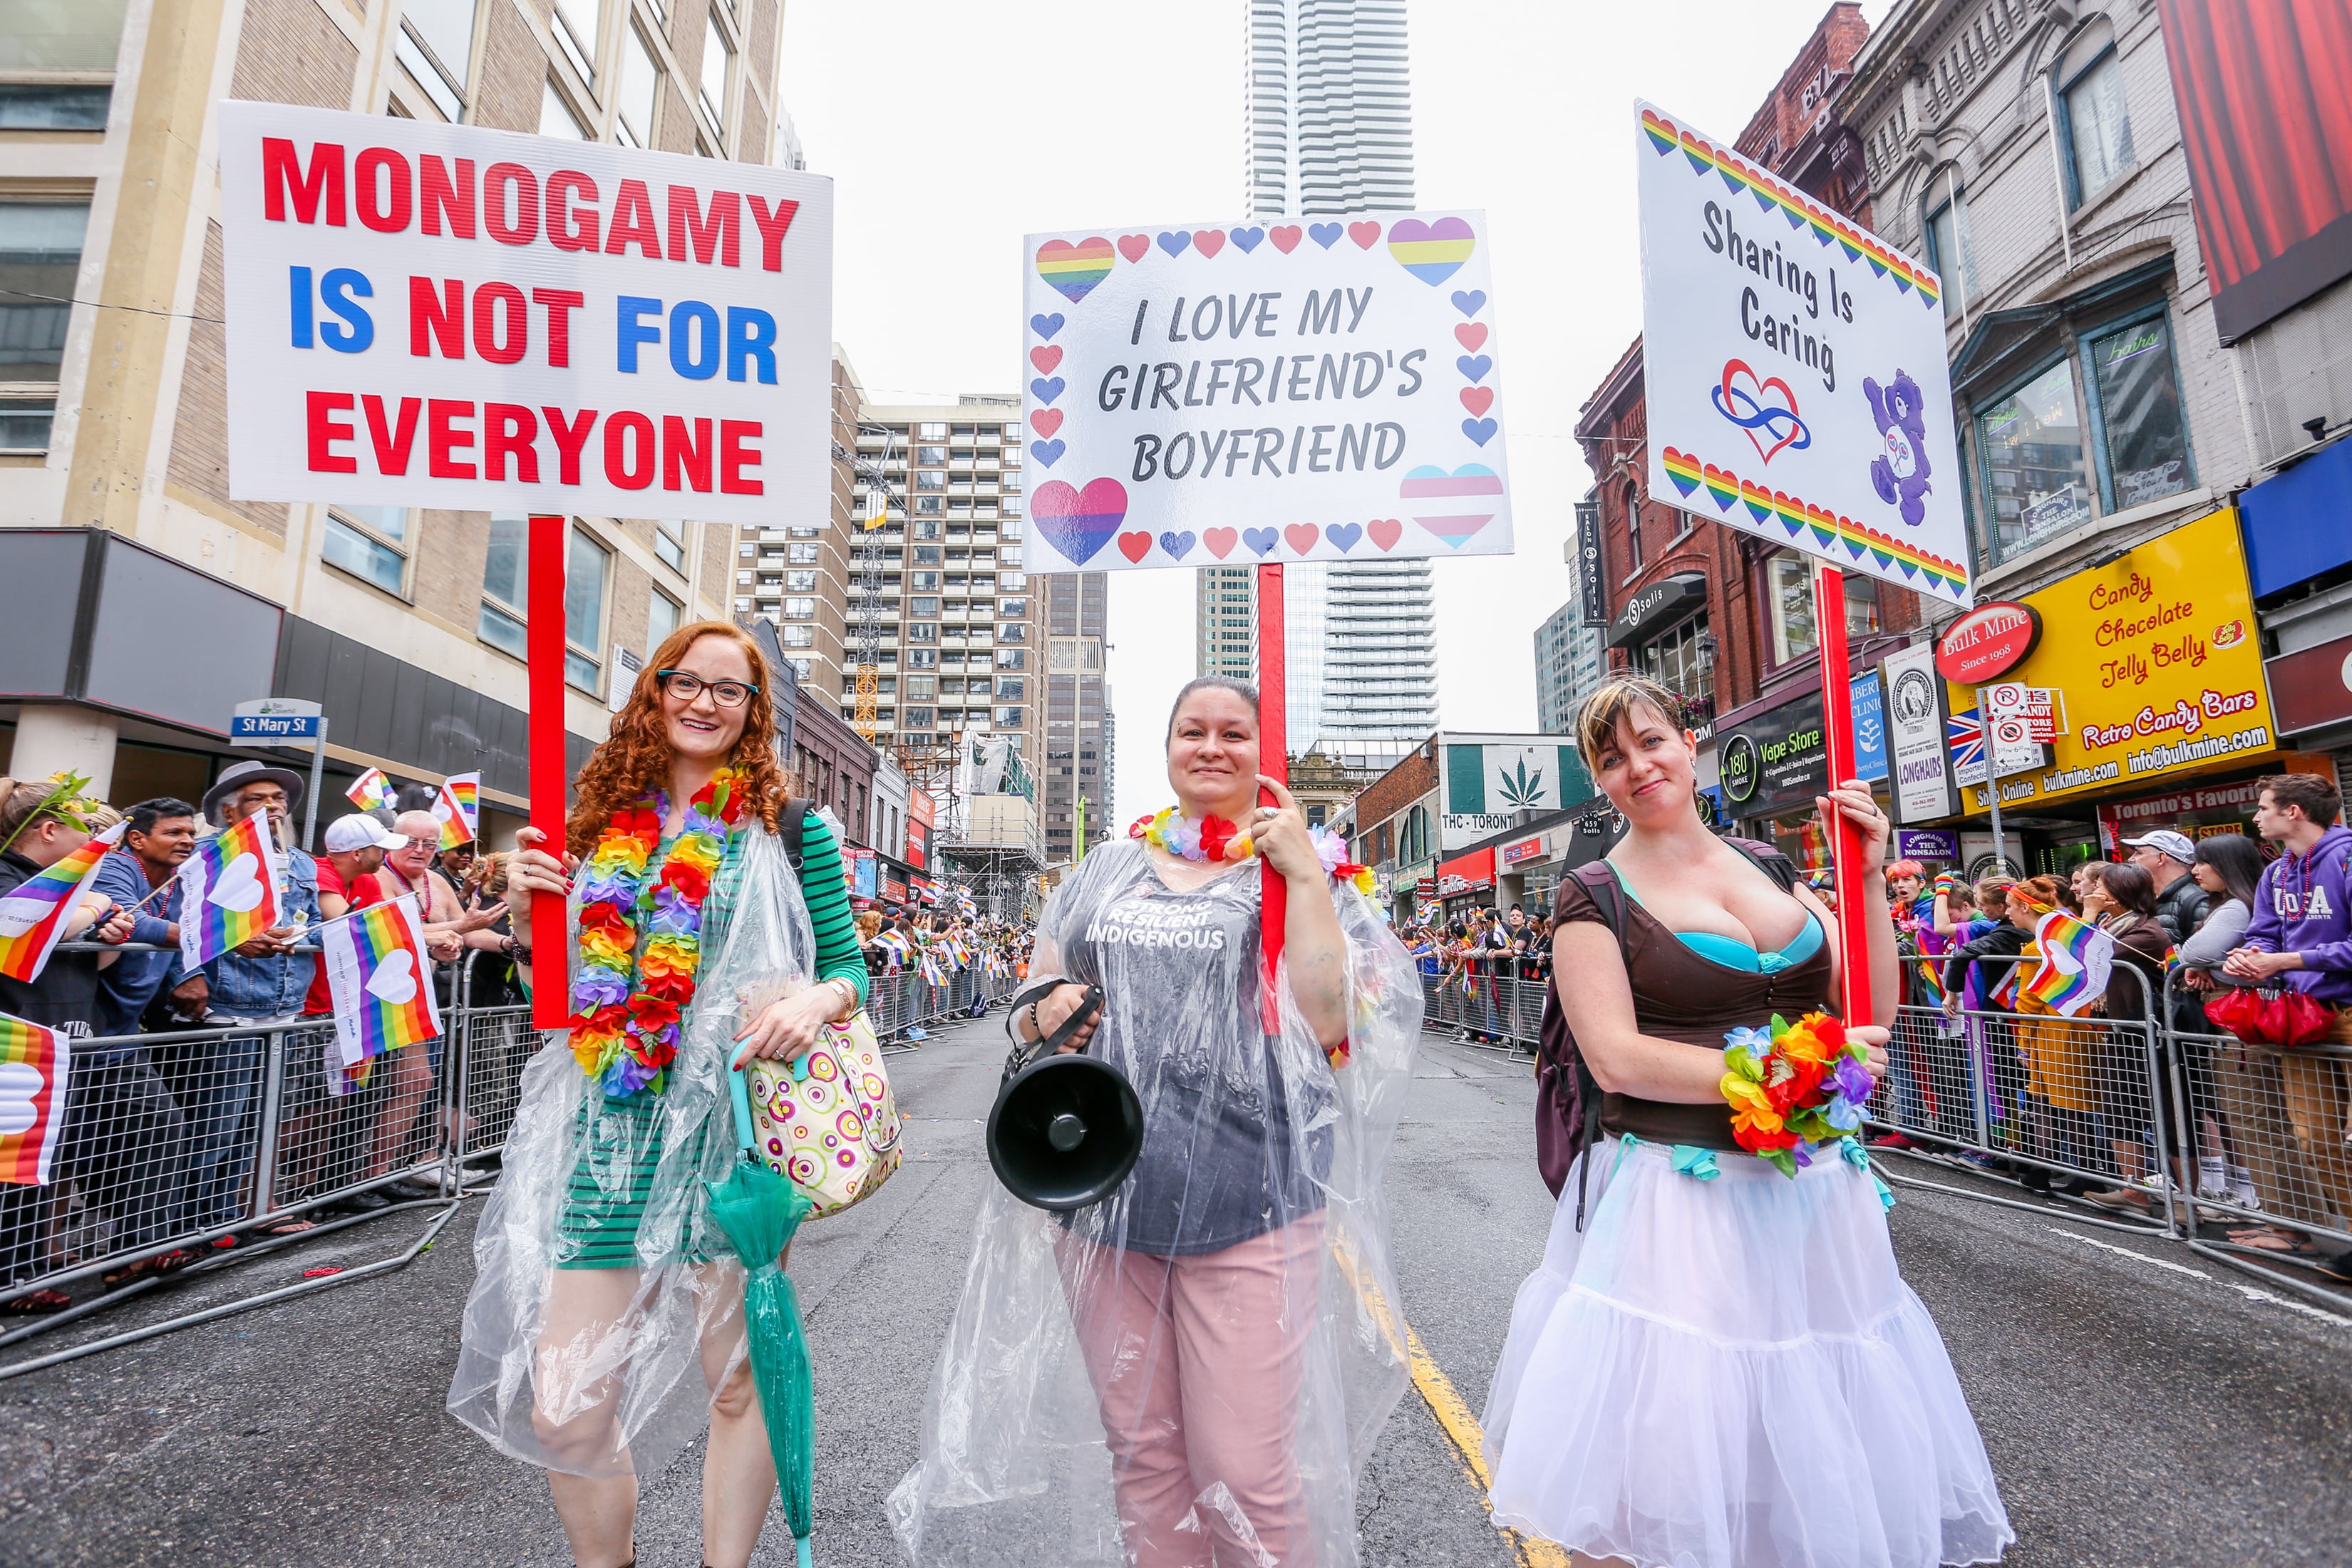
(551, 997)
(1274, 753)
(1845, 841)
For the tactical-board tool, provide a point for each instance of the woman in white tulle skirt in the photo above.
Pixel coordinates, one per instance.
(1716, 1366)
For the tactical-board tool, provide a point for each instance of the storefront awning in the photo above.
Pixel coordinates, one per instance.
(2294, 521)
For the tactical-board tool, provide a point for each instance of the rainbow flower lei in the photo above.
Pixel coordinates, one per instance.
(627, 1005)
(1214, 839)
(1794, 1086)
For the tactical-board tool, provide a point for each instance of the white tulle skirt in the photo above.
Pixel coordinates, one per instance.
(1731, 1374)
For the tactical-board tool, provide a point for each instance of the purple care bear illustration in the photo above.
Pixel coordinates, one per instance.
(1900, 473)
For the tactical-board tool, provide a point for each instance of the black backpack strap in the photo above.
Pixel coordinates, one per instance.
(791, 822)
(1770, 861)
(1599, 881)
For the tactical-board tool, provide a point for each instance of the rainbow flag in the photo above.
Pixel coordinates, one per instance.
(458, 810)
(34, 914)
(228, 890)
(381, 980)
(34, 1065)
(2076, 958)
(371, 790)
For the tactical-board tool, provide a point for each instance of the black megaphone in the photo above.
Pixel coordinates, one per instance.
(1065, 1129)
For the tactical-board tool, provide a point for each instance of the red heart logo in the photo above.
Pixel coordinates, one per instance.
(1787, 404)
(1477, 400)
(1470, 334)
(1364, 234)
(1286, 236)
(1135, 546)
(1133, 245)
(1386, 532)
(1219, 541)
(1046, 359)
(1045, 421)
(1302, 536)
(1209, 241)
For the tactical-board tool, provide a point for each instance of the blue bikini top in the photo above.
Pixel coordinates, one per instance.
(1733, 953)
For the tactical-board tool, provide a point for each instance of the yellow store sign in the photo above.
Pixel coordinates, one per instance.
(2156, 661)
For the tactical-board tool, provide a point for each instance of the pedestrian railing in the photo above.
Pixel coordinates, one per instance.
(189, 1148)
(1501, 1012)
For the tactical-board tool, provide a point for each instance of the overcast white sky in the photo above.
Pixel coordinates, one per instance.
(952, 129)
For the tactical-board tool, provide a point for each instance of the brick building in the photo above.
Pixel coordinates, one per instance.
(1391, 824)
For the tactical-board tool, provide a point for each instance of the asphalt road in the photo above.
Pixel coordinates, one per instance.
(2141, 1406)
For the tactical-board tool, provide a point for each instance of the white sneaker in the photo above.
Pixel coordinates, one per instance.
(2243, 1189)
(2212, 1175)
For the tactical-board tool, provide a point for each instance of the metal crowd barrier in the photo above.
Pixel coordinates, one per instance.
(1498, 1012)
(194, 1146)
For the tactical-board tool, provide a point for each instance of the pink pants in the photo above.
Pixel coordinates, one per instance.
(1196, 1364)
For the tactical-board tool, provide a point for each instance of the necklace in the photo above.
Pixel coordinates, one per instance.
(627, 1005)
(1214, 839)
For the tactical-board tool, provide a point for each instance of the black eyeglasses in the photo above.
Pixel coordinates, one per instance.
(685, 686)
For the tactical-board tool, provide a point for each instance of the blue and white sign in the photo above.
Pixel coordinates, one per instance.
(271, 718)
(1869, 728)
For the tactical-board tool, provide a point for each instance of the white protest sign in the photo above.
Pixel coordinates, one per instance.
(1324, 390)
(444, 316)
(1918, 762)
(1794, 369)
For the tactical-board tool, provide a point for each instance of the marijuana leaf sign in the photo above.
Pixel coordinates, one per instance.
(1521, 788)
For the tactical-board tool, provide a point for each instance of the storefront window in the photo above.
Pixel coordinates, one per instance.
(1788, 585)
(1683, 661)
(2139, 407)
(2034, 476)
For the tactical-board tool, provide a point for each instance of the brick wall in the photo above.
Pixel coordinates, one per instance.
(288, 52)
(200, 431)
(513, 78)
(1411, 778)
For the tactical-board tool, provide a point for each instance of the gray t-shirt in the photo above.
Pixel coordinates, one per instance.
(1227, 1149)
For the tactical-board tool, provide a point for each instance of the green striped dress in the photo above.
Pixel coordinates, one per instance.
(620, 1140)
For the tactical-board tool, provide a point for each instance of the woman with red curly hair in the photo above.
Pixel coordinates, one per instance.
(606, 1320)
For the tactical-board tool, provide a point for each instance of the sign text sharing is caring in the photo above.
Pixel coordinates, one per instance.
(431, 315)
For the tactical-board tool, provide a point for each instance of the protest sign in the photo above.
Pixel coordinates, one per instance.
(1246, 394)
(445, 316)
(1794, 369)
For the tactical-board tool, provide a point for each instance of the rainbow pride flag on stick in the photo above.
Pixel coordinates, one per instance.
(2076, 959)
(228, 890)
(377, 973)
(458, 810)
(35, 913)
(34, 1065)
(371, 790)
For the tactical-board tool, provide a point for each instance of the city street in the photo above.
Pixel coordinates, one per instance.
(2141, 1405)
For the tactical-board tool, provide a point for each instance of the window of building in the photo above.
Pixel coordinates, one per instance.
(1788, 582)
(2097, 129)
(922, 607)
(1014, 610)
(555, 115)
(799, 582)
(68, 44)
(640, 91)
(800, 609)
(923, 686)
(1010, 555)
(1951, 250)
(1011, 717)
(716, 57)
(661, 619)
(40, 254)
(370, 543)
(798, 636)
(1012, 582)
(2030, 445)
(669, 544)
(930, 479)
(1011, 658)
(930, 457)
(436, 45)
(931, 430)
(2136, 397)
(926, 555)
(924, 579)
(1683, 661)
(576, 29)
(500, 623)
(1012, 631)
(928, 506)
(922, 631)
(1010, 686)
(802, 530)
(584, 575)
(921, 718)
(922, 658)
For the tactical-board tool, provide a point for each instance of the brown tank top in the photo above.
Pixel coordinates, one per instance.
(1681, 995)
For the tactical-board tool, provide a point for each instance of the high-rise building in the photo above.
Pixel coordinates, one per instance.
(1224, 635)
(1567, 668)
(1328, 119)
(1076, 757)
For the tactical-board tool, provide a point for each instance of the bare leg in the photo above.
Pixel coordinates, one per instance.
(739, 1468)
(575, 1413)
(412, 1081)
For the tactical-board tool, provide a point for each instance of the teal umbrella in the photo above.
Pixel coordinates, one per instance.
(760, 1210)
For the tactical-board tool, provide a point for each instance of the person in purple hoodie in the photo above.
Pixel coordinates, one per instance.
(2301, 935)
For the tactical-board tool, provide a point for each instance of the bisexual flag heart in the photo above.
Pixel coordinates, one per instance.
(1326, 235)
(1047, 388)
(1259, 539)
(1047, 452)
(1046, 326)
(1078, 522)
(1178, 546)
(1471, 302)
(1344, 534)
(1174, 243)
(1474, 367)
(1074, 269)
(1249, 239)
(1432, 252)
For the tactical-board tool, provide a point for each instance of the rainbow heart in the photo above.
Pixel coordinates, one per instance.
(1478, 399)
(1175, 244)
(1259, 539)
(1432, 252)
(1219, 541)
(1135, 546)
(1460, 489)
(1286, 236)
(1301, 536)
(1074, 269)
(1046, 326)
(1178, 546)
(1756, 500)
(1249, 239)
(1471, 336)
(1661, 133)
(1133, 245)
(1047, 452)
(1386, 532)
(1326, 235)
(1722, 487)
(1078, 522)
(1045, 421)
(1344, 534)
(1474, 367)
(1046, 359)
(1047, 388)
(1471, 302)
(1209, 241)
(1479, 430)
(1683, 470)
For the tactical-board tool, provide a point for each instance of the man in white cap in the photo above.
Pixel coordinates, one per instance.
(2166, 857)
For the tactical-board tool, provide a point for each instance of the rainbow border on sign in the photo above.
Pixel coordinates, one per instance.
(1770, 195)
(1797, 516)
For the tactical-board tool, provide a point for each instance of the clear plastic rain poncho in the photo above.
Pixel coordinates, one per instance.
(609, 1371)
(1195, 1369)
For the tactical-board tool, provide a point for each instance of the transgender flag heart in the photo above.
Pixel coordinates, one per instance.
(1078, 522)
